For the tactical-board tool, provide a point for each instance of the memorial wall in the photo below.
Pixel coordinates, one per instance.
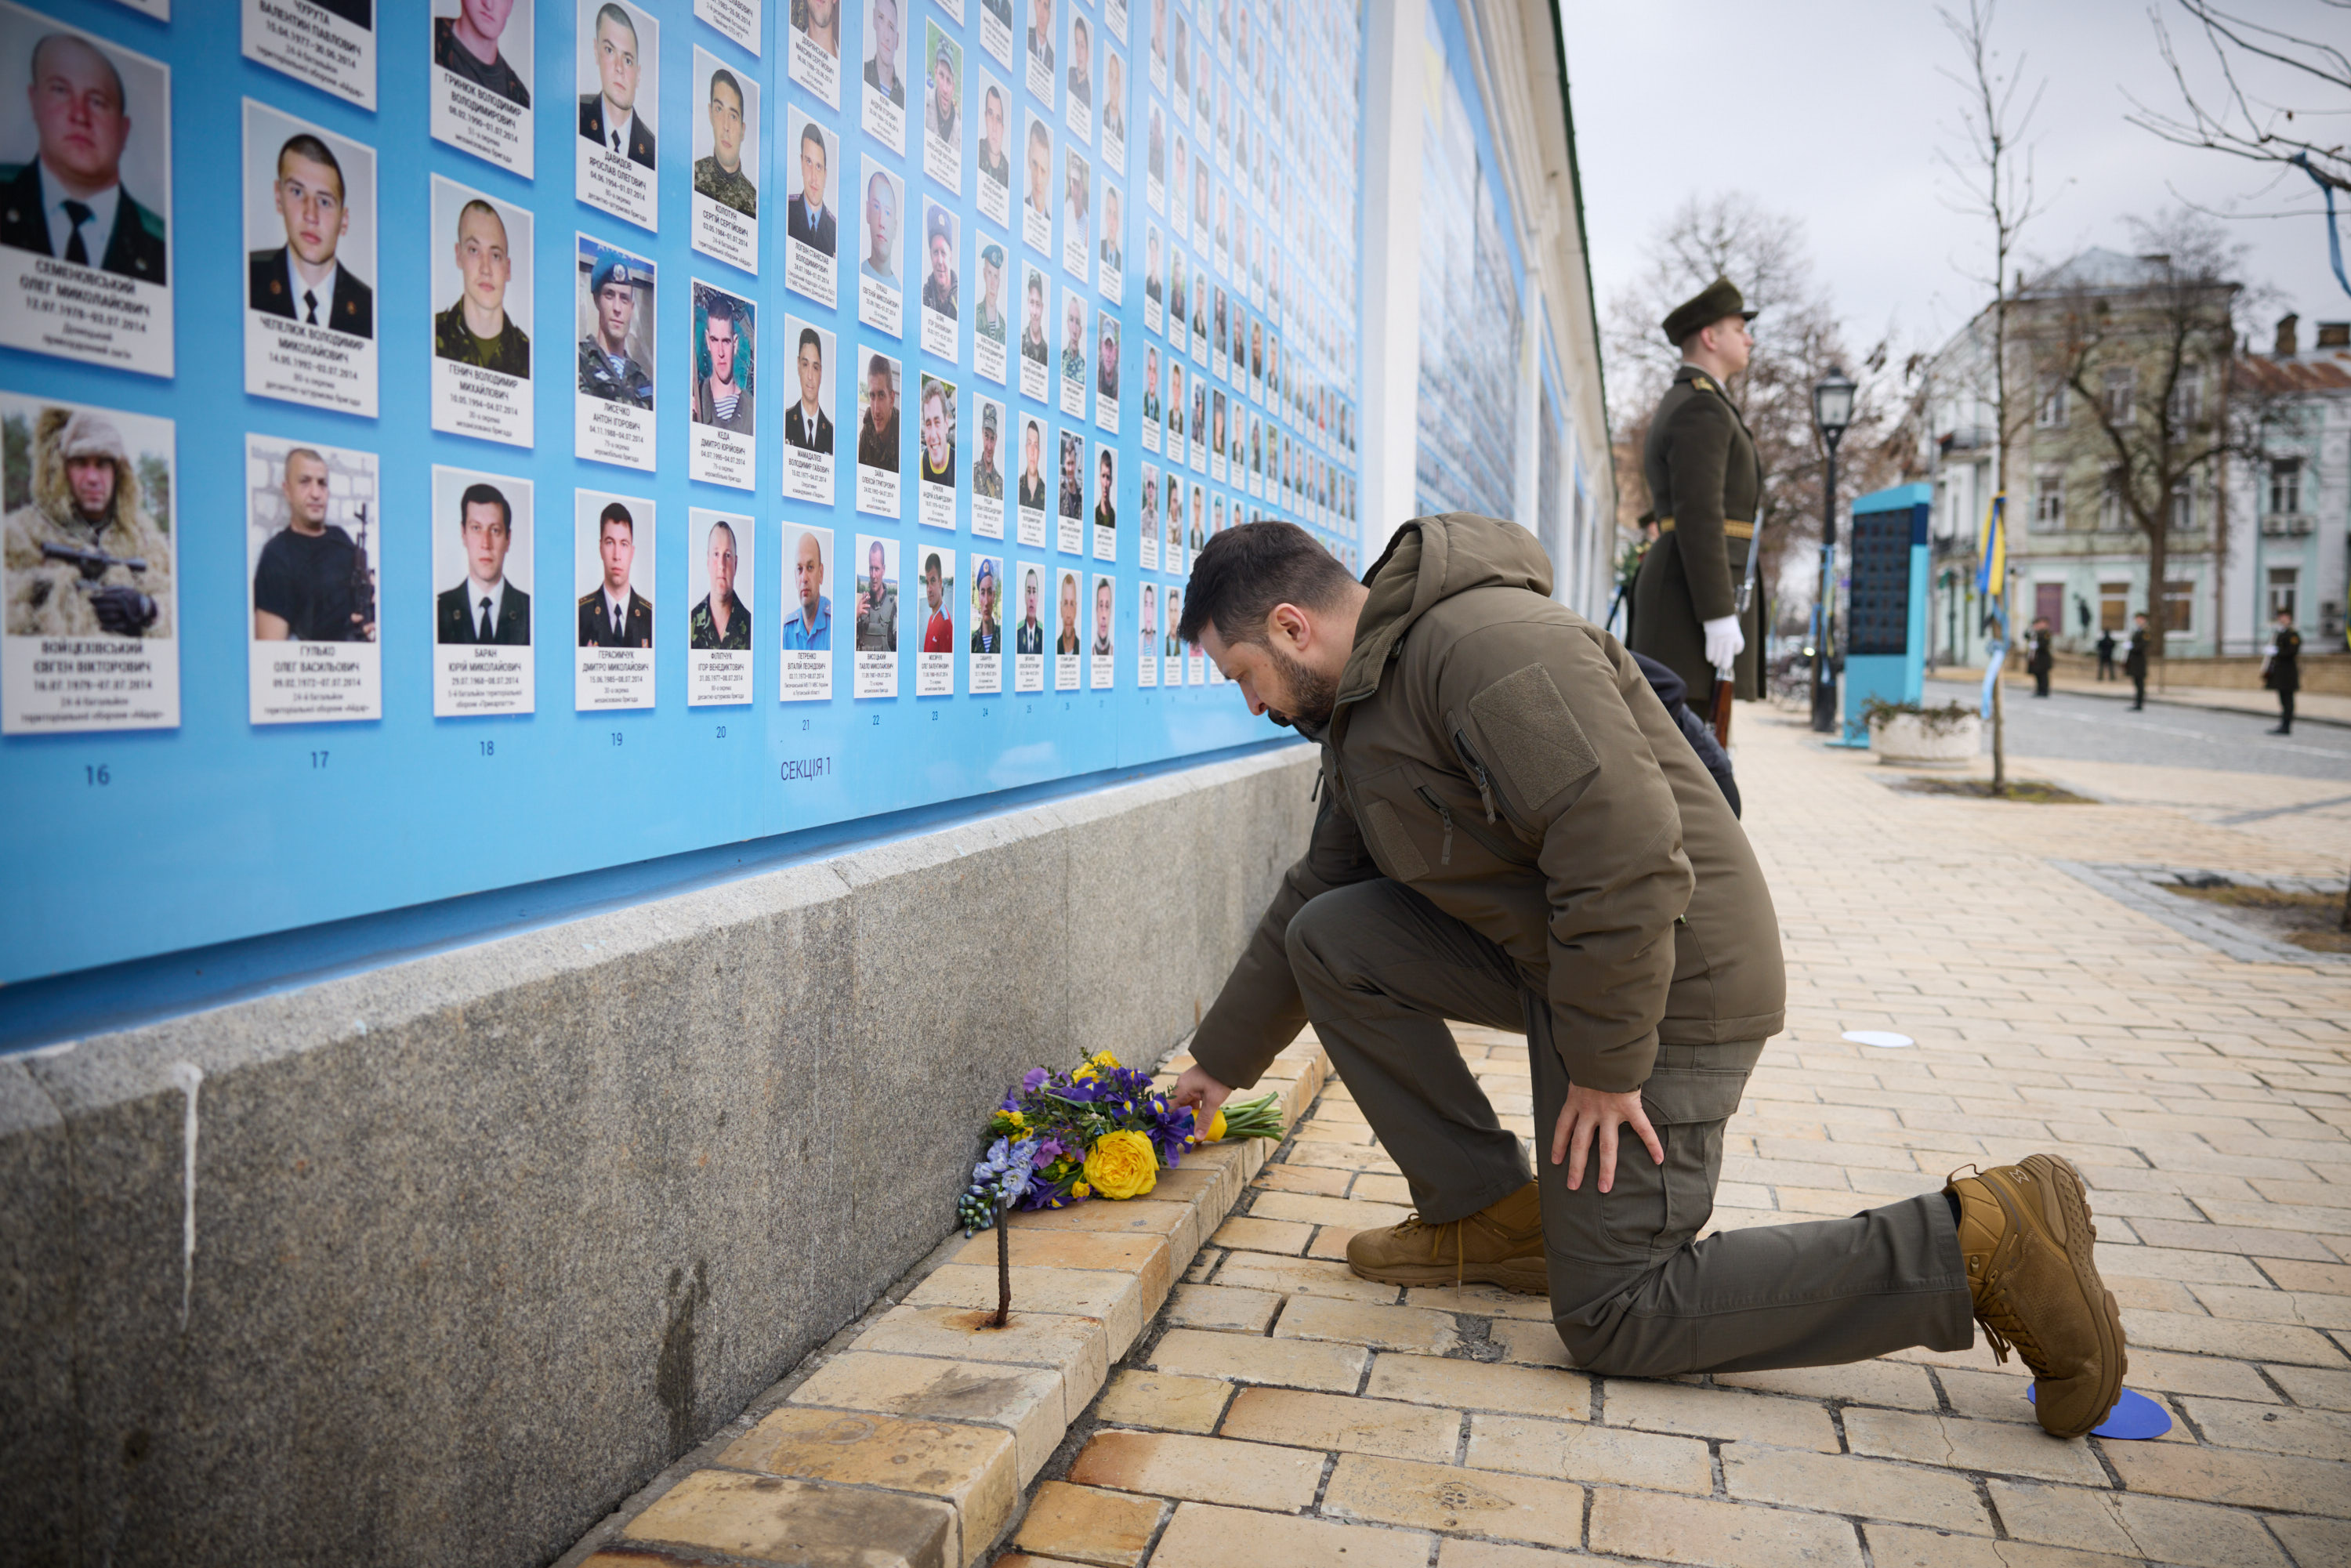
(455, 443)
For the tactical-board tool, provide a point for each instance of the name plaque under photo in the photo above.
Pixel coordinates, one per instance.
(324, 47)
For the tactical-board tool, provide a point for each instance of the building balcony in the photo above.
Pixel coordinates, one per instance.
(2286, 525)
(1965, 438)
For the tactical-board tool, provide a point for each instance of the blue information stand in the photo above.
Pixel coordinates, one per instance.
(1885, 651)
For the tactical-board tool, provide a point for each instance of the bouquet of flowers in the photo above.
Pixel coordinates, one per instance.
(1099, 1130)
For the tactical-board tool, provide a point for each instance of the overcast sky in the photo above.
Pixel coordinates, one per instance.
(1832, 111)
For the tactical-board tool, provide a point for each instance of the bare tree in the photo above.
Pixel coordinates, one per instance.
(2154, 363)
(2242, 118)
(1797, 340)
(1993, 166)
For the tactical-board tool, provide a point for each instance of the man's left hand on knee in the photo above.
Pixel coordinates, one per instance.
(1592, 1116)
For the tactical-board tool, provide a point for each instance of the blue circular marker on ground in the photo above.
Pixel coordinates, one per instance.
(2135, 1417)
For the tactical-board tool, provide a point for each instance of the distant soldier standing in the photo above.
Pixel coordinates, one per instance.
(1705, 482)
(2135, 662)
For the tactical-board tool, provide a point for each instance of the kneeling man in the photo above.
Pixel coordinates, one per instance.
(1514, 833)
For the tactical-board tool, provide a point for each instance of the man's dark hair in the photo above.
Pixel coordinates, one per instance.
(614, 512)
(811, 133)
(719, 307)
(808, 340)
(724, 78)
(304, 145)
(1242, 573)
(876, 366)
(611, 13)
(931, 564)
(486, 496)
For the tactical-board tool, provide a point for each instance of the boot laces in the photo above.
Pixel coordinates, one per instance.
(1412, 1224)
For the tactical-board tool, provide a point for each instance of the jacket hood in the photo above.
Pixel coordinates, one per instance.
(1429, 560)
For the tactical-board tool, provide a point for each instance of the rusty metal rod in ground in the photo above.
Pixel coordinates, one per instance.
(1003, 1267)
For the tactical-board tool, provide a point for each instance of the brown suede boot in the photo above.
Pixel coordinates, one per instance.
(1501, 1244)
(2026, 1234)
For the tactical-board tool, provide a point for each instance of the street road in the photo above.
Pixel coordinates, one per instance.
(2099, 729)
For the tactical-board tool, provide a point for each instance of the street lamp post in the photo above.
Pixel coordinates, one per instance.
(1831, 413)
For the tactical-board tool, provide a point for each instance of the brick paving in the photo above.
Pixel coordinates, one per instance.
(1277, 1410)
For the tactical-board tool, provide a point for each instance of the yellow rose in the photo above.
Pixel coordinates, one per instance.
(1213, 1131)
(1122, 1165)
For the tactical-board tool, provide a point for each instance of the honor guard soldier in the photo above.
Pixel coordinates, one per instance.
(1706, 483)
(606, 369)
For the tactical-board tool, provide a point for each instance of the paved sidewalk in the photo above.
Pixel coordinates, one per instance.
(1279, 1411)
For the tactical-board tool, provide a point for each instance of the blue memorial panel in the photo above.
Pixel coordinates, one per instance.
(437, 463)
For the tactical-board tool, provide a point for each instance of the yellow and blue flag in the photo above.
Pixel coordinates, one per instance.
(1993, 576)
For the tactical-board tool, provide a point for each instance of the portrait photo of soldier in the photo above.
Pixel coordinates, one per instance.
(1081, 62)
(877, 425)
(805, 217)
(941, 288)
(987, 472)
(1029, 633)
(608, 112)
(986, 630)
(1104, 606)
(819, 21)
(1174, 406)
(1077, 202)
(85, 554)
(724, 173)
(1154, 151)
(809, 628)
(1114, 114)
(806, 423)
(1032, 473)
(938, 432)
(1074, 339)
(995, 153)
(471, 43)
(616, 351)
(1106, 354)
(943, 90)
(1147, 513)
(310, 582)
(485, 607)
(1066, 639)
(884, 45)
(938, 606)
(613, 614)
(723, 350)
(879, 261)
(308, 275)
(877, 600)
(1113, 246)
(1038, 195)
(70, 198)
(1105, 486)
(1151, 383)
(1172, 644)
(1041, 36)
(1072, 500)
(1033, 346)
(1148, 632)
(720, 619)
(988, 319)
(478, 328)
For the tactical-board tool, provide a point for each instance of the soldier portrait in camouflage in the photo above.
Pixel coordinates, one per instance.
(476, 329)
(85, 556)
(609, 367)
(724, 174)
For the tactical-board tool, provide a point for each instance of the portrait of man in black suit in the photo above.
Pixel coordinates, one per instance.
(608, 117)
(303, 279)
(806, 424)
(68, 201)
(613, 614)
(805, 217)
(485, 607)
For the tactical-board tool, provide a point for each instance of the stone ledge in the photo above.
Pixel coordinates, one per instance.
(925, 1416)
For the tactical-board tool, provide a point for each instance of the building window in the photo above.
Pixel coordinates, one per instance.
(2050, 414)
(2178, 607)
(2048, 503)
(2285, 485)
(2112, 516)
(2122, 393)
(2284, 582)
(2114, 606)
(2187, 399)
(2183, 508)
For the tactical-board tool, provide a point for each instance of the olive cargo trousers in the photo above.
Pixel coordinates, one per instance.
(1634, 1291)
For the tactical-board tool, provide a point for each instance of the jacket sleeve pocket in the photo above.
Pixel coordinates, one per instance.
(1537, 745)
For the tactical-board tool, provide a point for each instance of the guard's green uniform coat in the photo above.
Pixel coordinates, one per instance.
(1702, 469)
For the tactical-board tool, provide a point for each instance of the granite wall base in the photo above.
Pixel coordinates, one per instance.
(436, 1263)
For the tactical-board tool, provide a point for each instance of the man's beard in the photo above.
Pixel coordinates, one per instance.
(1312, 695)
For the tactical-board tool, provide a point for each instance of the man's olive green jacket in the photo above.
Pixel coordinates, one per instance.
(1506, 758)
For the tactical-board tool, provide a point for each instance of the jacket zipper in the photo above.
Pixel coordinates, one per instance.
(1444, 856)
(1486, 790)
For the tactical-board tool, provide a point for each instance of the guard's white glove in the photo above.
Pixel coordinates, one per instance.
(1724, 641)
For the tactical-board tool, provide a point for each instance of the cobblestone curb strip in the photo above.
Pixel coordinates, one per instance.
(910, 1437)
(2141, 887)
